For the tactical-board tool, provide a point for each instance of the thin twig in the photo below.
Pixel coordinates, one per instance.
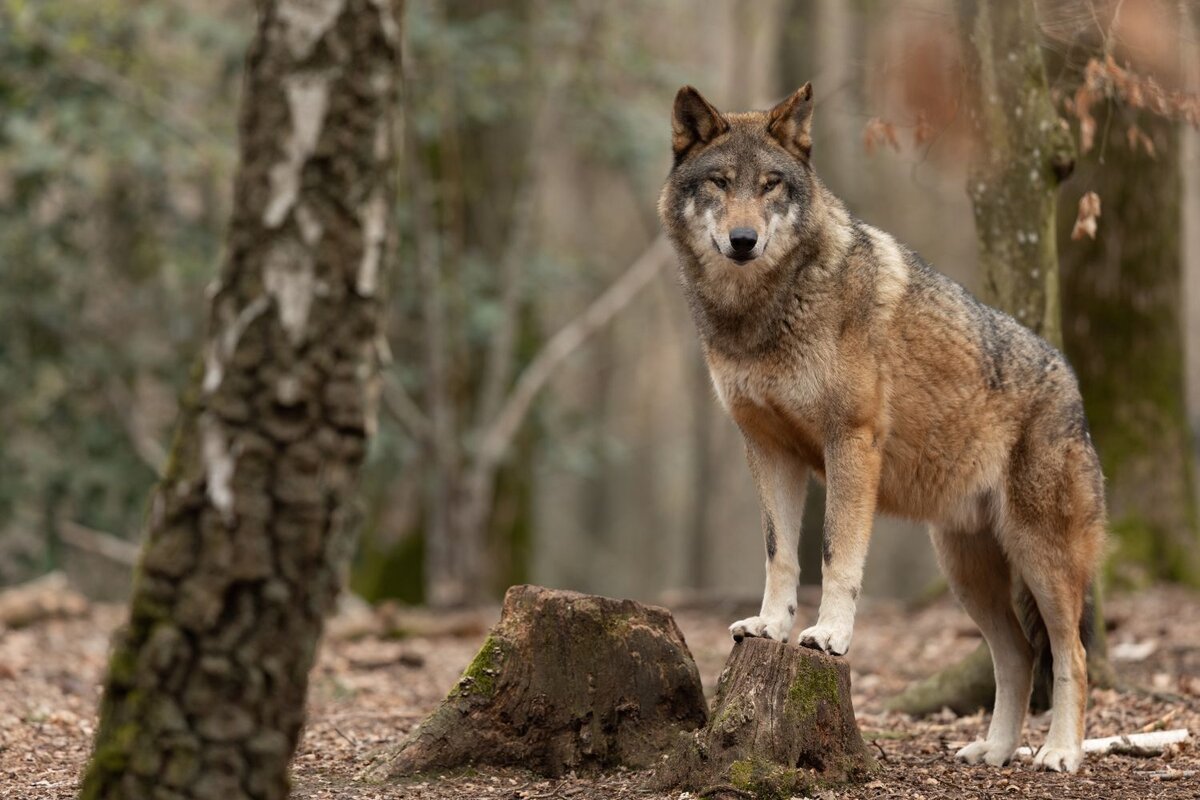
(338, 731)
(502, 359)
(99, 543)
(402, 408)
(148, 449)
(567, 340)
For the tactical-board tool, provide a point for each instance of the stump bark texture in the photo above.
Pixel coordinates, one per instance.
(782, 724)
(564, 681)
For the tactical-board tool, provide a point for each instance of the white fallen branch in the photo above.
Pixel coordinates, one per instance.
(1132, 744)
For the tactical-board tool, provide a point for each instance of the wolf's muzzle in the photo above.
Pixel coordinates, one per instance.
(742, 241)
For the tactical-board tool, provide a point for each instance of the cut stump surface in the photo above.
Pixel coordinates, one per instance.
(565, 681)
(782, 724)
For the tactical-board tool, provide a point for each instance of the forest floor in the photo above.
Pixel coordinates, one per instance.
(368, 690)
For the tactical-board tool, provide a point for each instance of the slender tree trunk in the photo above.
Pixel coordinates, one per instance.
(1021, 152)
(1123, 309)
(247, 535)
(1190, 168)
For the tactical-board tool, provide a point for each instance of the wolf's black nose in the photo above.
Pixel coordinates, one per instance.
(742, 240)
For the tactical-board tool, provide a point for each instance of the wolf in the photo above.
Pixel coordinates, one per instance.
(839, 353)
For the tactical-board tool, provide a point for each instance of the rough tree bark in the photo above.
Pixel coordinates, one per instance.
(247, 534)
(782, 725)
(1022, 151)
(565, 681)
(1123, 312)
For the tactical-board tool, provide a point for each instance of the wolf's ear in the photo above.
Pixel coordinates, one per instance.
(790, 122)
(694, 121)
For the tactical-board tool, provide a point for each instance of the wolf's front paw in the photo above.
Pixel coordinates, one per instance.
(1058, 759)
(828, 638)
(761, 627)
(995, 753)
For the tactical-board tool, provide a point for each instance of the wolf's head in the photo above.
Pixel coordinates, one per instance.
(740, 192)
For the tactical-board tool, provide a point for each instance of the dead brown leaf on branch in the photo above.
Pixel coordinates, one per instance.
(1085, 222)
(879, 132)
(1137, 137)
(1105, 80)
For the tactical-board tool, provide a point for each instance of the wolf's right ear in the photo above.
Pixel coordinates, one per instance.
(694, 121)
(790, 122)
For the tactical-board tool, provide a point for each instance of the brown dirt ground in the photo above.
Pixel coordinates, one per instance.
(369, 691)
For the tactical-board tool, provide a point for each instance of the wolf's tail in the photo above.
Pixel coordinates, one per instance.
(1039, 639)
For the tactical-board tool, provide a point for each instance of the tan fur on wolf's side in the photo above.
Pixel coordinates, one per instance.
(839, 352)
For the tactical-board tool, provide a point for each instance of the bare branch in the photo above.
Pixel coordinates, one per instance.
(566, 341)
(502, 353)
(98, 542)
(148, 449)
(402, 408)
(1132, 744)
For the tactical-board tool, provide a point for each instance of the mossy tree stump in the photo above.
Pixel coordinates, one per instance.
(564, 681)
(782, 724)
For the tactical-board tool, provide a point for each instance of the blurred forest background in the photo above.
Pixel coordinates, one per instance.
(529, 432)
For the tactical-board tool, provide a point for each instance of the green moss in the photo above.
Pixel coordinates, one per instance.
(122, 666)
(390, 572)
(109, 760)
(813, 684)
(482, 673)
(732, 715)
(767, 781)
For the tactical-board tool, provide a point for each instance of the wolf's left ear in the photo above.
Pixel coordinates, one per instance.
(694, 121)
(790, 122)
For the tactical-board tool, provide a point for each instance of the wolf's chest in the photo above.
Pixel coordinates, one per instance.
(779, 406)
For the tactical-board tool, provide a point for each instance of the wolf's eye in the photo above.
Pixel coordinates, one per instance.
(719, 182)
(770, 183)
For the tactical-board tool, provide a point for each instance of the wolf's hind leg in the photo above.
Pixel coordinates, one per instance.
(979, 574)
(782, 480)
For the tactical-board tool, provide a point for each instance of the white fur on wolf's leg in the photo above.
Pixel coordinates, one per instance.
(990, 752)
(835, 623)
(762, 628)
(1058, 759)
(833, 639)
(1013, 682)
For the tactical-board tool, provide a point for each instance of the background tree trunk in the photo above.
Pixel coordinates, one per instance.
(1124, 329)
(1021, 152)
(247, 535)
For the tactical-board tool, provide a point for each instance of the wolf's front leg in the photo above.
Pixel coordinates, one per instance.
(852, 472)
(782, 480)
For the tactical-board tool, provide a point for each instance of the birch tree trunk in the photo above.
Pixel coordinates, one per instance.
(247, 534)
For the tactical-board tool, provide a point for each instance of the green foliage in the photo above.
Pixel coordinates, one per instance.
(116, 133)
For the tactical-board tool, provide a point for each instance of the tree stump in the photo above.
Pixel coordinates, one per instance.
(565, 681)
(782, 724)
